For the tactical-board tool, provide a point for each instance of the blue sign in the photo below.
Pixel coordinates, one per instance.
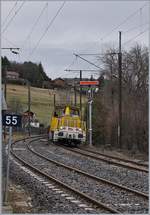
(12, 120)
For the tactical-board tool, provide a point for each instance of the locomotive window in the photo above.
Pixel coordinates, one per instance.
(74, 112)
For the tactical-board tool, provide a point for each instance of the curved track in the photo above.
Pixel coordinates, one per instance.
(87, 174)
(98, 203)
(118, 158)
(109, 159)
(60, 183)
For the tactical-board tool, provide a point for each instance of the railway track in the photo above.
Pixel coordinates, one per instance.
(109, 159)
(97, 204)
(136, 180)
(118, 158)
(103, 182)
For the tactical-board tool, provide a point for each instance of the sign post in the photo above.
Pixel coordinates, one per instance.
(10, 120)
(8, 165)
(90, 84)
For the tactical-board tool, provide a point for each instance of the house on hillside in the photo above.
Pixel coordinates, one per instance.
(59, 82)
(48, 84)
(11, 75)
(35, 124)
(70, 81)
(33, 121)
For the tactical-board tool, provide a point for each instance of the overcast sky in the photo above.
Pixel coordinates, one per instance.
(80, 27)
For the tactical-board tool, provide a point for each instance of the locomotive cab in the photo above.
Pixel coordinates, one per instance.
(66, 126)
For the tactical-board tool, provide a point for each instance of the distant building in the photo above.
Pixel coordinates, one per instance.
(75, 82)
(59, 82)
(25, 118)
(27, 114)
(48, 84)
(35, 124)
(70, 81)
(11, 75)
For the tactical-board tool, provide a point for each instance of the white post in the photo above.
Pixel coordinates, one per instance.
(90, 118)
(8, 164)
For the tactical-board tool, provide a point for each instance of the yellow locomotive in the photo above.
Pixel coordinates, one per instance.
(66, 126)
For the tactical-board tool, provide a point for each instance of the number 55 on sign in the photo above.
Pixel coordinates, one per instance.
(12, 120)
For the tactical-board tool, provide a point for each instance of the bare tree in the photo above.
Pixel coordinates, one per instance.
(134, 99)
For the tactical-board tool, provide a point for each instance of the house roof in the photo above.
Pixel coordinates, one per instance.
(58, 79)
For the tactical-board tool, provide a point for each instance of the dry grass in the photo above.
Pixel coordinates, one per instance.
(41, 100)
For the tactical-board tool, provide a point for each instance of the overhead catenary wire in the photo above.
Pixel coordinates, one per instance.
(49, 25)
(87, 61)
(72, 63)
(123, 22)
(34, 25)
(134, 28)
(135, 36)
(8, 24)
(11, 10)
(9, 41)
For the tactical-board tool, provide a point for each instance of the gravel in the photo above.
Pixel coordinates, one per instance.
(133, 179)
(44, 200)
(121, 200)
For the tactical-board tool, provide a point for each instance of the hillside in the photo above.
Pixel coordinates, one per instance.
(41, 100)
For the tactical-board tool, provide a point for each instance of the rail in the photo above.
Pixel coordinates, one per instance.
(81, 194)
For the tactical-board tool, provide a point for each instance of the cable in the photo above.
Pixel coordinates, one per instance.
(87, 61)
(9, 13)
(49, 25)
(131, 15)
(9, 41)
(13, 17)
(135, 36)
(131, 29)
(72, 63)
(34, 25)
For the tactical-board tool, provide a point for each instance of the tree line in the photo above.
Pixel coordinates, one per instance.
(135, 65)
(30, 71)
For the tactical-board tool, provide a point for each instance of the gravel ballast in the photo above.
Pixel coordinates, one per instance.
(131, 178)
(121, 200)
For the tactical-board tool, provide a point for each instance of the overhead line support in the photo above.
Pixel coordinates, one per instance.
(120, 92)
(87, 60)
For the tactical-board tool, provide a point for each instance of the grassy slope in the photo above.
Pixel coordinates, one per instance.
(41, 100)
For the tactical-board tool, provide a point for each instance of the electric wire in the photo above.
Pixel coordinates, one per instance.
(13, 17)
(87, 61)
(135, 36)
(123, 22)
(49, 25)
(134, 28)
(11, 10)
(34, 25)
(72, 63)
(9, 42)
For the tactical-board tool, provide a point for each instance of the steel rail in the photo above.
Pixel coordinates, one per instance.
(83, 195)
(87, 174)
(117, 158)
(82, 152)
